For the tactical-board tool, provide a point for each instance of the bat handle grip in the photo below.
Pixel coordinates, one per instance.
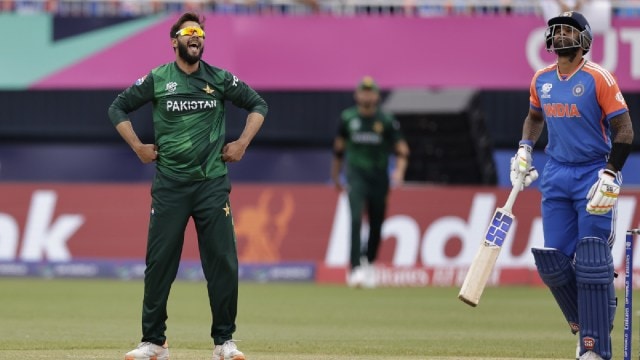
(517, 187)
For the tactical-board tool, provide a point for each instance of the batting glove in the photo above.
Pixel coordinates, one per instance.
(523, 157)
(603, 194)
(521, 163)
(529, 177)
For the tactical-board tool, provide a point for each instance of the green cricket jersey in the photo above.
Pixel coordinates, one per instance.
(369, 141)
(188, 116)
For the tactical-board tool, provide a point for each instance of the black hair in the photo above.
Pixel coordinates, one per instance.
(188, 16)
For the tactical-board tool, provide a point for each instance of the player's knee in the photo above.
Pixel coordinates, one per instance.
(594, 263)
(554, 267)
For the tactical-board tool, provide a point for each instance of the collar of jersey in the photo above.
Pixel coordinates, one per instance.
(175, 64)
(584, 61)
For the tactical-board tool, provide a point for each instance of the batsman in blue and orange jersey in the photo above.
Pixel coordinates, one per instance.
(590, 135)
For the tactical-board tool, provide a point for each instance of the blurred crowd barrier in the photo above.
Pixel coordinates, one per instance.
(108, 8)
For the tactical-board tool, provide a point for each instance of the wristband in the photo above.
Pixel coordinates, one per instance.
(618, 155)
(526, 142)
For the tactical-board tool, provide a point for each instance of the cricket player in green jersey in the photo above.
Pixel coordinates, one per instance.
(188, 97)
(367, 136)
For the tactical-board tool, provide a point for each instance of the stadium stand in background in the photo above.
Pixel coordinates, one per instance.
(424, 8)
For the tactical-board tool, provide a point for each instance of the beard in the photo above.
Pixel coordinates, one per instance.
(568, 52)
(183, 52)
(565, 46)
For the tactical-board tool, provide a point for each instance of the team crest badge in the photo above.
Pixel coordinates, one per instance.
(578, 90)
(208, 90)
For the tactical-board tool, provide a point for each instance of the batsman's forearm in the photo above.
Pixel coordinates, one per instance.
(533, 126)
(622, 140)
(622, 129)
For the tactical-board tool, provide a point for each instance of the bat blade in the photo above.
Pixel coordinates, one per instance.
(486, 257)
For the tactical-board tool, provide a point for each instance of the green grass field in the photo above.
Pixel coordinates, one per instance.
(100, 319)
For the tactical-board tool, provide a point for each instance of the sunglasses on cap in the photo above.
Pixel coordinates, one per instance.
(190, 31)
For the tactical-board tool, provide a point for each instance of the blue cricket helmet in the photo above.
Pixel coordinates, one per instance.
(575, 20)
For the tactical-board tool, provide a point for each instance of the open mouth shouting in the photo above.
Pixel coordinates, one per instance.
(191, 52)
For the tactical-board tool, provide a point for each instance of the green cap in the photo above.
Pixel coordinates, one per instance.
(367, 83)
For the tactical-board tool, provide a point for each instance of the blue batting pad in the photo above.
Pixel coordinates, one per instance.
(556, 271)
(596, 295)
(499, 228)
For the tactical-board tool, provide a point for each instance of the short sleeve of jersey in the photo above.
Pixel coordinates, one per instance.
(534, 100)
(607, 91)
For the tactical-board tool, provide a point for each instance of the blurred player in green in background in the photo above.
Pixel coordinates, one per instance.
(366, 138)
(188, 97)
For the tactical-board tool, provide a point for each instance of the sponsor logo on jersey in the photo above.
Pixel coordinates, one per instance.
(546, 89)
(186, 105)
(171, 87)
(561, 110)
(578, 90)
(366, 138)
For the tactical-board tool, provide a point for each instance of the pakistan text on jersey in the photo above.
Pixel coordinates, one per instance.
(366, 138)
(185, 105)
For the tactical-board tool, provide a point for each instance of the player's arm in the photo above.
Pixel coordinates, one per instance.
(533, 126)
(126, 102)
(604, 193)
(243, 96)
(145, 152)
(622, 131)
(402, 161)
(339, 146)
(522, 161)
(234, 151)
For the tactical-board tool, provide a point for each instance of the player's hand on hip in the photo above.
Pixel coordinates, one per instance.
(233, 151)
(603, 194)
(147, 153)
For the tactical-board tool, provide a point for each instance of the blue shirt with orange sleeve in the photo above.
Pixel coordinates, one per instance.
(577, 109)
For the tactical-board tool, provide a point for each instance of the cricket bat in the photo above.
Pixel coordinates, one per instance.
(487, 254)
